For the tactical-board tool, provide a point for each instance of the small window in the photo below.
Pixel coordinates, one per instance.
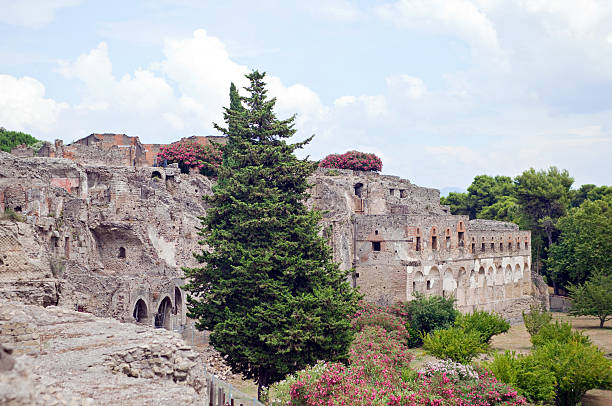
(358, 189)
(509, 246)
(121, 252)
(357, 275)
(473, 247)
(501, 247)
(482, 247)
(492, 246)
(375, 245)
(413, 286)
(460, 237)
(392, 192)
(428, 285)
(434, 243)
(448, 243)
(526, 245)
(403, 193)
(376, 232)
(18, 209)
(418, 243)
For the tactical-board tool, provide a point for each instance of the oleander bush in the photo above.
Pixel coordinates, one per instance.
(205, 158)
(355, 160)
(484, 323)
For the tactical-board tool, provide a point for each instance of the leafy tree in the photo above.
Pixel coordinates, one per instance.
(593, 298)
(584, 244)
(11, 139)
(506, 208)
(589, 192)
(459, 203)
(269, 291)
(488, 197)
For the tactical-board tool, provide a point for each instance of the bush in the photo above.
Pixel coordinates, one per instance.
(484, 323)
(370, 315)
(206, 158)
(577, 368)
(11, 214)
(452, 370)
(593, 298)
(355, 160)
(455, 344)
(533, 381)
(561, 332)
(536, 319)
(425, 314)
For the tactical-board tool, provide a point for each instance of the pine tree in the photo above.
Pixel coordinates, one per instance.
(268, 290)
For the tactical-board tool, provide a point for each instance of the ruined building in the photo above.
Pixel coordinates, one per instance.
(96, 227)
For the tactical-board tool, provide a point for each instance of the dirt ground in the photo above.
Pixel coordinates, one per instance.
(517, 339)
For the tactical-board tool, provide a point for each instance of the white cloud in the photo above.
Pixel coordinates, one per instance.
(23, 105)
(335, 10)
(32, 13)
(411, 87)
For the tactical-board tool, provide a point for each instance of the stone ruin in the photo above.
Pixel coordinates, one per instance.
(101, 230)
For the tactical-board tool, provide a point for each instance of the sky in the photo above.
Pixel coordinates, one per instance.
(441, 90)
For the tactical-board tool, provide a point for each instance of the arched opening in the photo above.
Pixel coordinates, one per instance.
(163, 315)
(517, 273)
(178, 302)
(508, 275)
(417, 284)
(449, 285)
(121, 252)
(358, 189)
(140, 311)
(462, 285)
(433, 281)
(17, 209)
(156, 175)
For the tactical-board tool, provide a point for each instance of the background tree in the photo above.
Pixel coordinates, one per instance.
(11, 139)
(269, 291)
(584, 245)
(593, 298)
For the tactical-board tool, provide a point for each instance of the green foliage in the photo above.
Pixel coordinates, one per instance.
(11, 214)
(535, 319)
(584, 244)
(484, 323)
(425, 314)
(577, 368)
(594, 298)
(589, 192)
(455, 344)
(558, 331)
(11, 139)
(533, 381)
(268, 290)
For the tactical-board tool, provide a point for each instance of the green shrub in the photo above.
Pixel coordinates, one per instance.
(11, 214)
(531, 379)
(425, 314)
(484, 323)
(455, 344)
(535, 319)
(560, 332)
(577, 368)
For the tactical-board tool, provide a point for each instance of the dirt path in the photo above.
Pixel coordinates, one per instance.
(517, 339)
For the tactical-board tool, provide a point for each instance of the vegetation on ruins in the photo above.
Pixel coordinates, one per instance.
(268, 290)
(593, 298)
(570, 228)
(11, 139)
(355, 160)
(188, 154)
(379, 372)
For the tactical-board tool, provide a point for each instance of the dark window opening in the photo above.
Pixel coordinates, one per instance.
(121, 252)
(376, 232)
(482, 247)
(358, 189)
(492, 246)
(434, 243)
(18, 209)
(501, 247)
(418, 243)
(413, 286)
(140, 311)
(357, 275)
(403, 193)
(156, 175)
(509, 246)
(428, 285)
(375, 245)
(392, 192)
(473, 247)
(460, 237)
(526, 245)
(448, 243)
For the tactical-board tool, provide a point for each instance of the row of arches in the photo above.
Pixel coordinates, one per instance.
(163, 317)
(487, 284)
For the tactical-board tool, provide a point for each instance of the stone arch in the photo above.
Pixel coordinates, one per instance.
(417, 282)
(163, 317)
(156, 175)
(481, 283)
(498, 288)
(449, 284)
(141, 312)
(518, 273)
(462, 286)
(490, 281)
(526, 272)
(178, 304)
(508, 282)
(434, 285)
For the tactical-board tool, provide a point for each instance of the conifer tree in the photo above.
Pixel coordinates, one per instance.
(268, 290)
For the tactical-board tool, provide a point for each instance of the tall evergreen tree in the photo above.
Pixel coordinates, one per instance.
(268, 290)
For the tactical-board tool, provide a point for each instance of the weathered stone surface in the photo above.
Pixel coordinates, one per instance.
(81, 359)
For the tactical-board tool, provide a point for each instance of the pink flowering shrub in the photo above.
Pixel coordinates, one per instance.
(372, 315)
(206, 158)
(355, 160)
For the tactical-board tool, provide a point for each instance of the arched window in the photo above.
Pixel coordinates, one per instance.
(140, 311)
(121, 252)
(358, 189)
(163, 316)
